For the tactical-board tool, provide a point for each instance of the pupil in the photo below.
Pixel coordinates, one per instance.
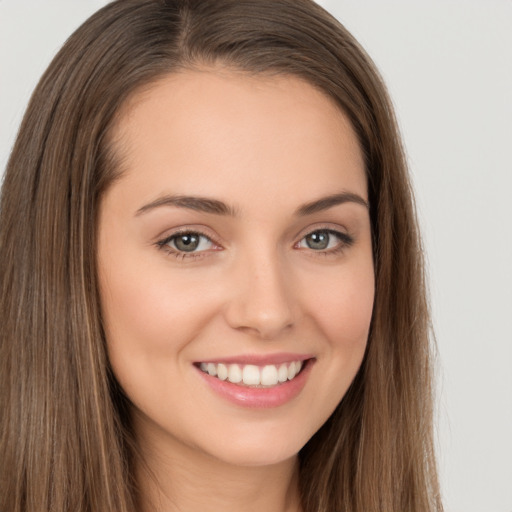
(318, 240)
(187, 243)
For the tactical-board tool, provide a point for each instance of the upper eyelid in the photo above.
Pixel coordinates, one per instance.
(167, 240)
(168, 234)
(325, 226)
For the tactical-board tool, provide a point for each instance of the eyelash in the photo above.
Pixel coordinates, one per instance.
(346, 241)
(182, 255)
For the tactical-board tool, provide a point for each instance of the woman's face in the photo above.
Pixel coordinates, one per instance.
(235, 245)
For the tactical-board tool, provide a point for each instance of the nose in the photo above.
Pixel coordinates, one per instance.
(262, 300)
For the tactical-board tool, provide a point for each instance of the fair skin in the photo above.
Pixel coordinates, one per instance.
(268, 268)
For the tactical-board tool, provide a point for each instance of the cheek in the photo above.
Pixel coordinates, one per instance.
(343, 306)
(149, 315)
(149, 323)
(144, 300)
(339, 309)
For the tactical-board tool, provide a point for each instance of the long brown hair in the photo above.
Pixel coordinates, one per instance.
(65, 439)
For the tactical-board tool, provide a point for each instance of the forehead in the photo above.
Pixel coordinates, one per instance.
(218, 132)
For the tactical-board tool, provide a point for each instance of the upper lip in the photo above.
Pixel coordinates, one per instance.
(259, 359)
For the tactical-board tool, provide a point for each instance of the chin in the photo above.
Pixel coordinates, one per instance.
(256, 447)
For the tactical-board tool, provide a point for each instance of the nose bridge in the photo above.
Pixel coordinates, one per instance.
(262, 299)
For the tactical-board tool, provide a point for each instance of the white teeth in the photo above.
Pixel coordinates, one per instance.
(252, 375)
(269, 375)
(282, 373)
(234, 373)
(222, 371)
(294, 369)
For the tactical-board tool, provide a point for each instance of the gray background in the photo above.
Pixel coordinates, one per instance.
(448, 68)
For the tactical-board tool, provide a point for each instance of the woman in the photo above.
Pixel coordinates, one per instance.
(212, 287)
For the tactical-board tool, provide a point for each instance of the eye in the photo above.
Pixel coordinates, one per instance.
(326, 240)
(187, 242)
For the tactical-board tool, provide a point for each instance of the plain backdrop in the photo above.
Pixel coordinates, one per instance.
(448, 66)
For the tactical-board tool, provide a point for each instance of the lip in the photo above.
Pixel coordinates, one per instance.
(261, 398)
(260, 359)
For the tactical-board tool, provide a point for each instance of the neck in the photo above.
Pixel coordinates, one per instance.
(181, 479)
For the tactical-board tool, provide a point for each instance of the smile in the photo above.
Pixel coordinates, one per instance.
(252, 375)
(259, 382)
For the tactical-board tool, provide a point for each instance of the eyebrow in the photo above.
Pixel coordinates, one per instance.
(199, 204)
(216, 207)
(325, 203)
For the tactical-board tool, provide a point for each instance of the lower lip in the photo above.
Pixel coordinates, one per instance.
(262, 398)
